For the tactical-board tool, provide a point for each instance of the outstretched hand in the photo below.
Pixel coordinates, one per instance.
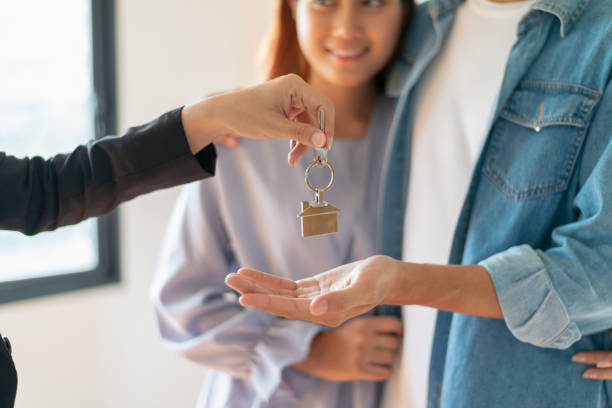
(329, 298)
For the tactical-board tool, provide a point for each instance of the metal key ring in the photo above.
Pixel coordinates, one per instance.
(319, 164)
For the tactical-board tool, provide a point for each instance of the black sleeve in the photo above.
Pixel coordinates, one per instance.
(39, 195)
(8, 376)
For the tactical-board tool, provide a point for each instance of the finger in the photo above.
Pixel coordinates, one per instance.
(308, 288)
(387, 342)
(298, 151)
(230, 141)
(337, 301)
(312, 100)
(606, 362)
(590, 357)
(295, 112)
(292, 308)
(306, 116)
(243, 285)
(304, 133)
(378, 372)
(387, 324)
(240, 284)
(381, 357)
(266, 279)
(598, 374)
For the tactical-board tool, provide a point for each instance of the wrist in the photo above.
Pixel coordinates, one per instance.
(306, 365)
(387, 278)
(301, 366)
(202, 123)
(403, 285)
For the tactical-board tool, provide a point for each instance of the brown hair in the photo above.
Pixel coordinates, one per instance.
(281, 54)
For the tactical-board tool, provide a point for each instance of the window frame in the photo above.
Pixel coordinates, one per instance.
(104, 83)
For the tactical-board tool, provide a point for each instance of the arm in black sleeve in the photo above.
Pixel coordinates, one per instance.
(8, 375)
(39, 195)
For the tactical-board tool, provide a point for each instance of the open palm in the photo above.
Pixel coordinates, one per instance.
(328, 298)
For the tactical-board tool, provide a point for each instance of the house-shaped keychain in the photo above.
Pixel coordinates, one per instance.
(318, 220)
(319, 217)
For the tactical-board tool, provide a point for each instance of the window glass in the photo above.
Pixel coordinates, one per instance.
(47, 105)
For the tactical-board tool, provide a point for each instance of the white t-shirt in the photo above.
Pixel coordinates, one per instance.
(455, 104)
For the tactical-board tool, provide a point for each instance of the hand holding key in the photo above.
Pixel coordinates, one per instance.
(284, 107)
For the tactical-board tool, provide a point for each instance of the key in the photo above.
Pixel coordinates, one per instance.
(319, 217)
(321, 152)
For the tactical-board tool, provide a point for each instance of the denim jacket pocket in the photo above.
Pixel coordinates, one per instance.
(535, 142)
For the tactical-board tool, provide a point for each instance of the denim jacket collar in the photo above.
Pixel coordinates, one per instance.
(438, 8)
(568, 11)
(418, 51)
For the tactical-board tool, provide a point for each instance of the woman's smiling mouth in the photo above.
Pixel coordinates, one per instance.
(347, 55)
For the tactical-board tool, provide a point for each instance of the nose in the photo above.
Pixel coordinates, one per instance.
(347, 24)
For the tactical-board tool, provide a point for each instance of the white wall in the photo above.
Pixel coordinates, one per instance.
(100, 347)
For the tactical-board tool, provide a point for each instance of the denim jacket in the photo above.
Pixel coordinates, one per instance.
(537, 214)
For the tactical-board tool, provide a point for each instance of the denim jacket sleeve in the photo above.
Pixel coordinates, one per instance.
(551, 297)
(200, 317)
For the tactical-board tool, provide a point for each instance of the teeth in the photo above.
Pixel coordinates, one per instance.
(348, 53)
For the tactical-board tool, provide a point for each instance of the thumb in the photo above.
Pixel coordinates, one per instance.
(337, 301)
(304, 133)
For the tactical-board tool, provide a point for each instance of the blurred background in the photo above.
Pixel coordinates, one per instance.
(99, 347)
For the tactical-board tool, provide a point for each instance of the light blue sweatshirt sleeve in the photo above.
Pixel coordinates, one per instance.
(200, 317)
(552, 297)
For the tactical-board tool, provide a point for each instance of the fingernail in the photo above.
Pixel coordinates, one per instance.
(591, 375)
(604, 364)
(577, 358)
(320, 308)
(318, 139)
